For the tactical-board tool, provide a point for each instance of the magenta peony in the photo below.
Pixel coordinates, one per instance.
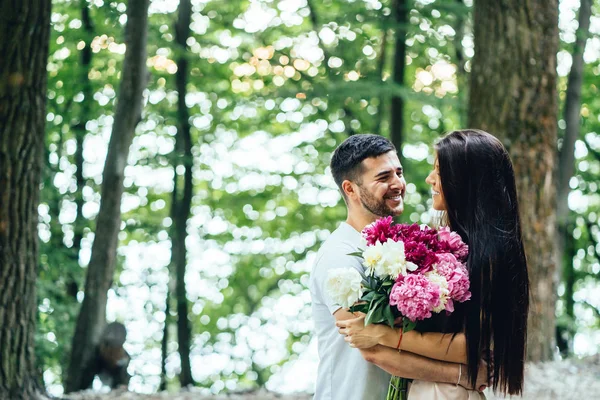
(380, 231)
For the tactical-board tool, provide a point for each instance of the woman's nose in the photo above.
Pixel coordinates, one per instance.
(429, 180)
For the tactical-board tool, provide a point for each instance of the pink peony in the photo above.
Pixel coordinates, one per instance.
(460, 285)
(446, 264)
(380, 231)
(415, 296)
(454, 243)
(457, 276)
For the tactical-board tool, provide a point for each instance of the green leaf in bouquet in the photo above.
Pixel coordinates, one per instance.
(369, 317)
(362, 307)
(378, 315)
(356, 254)
(389, 315)
(370, 283)
(408, 325)
(369, 296)
(375, 312)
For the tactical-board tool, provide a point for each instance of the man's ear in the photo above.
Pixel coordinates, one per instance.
(350, 189)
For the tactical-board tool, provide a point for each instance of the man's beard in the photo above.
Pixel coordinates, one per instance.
(375, 206)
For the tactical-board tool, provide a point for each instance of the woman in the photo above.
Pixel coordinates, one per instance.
(473, 184)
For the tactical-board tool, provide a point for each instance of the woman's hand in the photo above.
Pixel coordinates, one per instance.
(356, 334)
(483, 381)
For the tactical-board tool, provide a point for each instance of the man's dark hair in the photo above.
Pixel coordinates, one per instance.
(346, 162)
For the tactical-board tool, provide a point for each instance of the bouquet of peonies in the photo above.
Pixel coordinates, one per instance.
(411, 272)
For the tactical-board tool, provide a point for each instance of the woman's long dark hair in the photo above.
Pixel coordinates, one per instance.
(478, 184)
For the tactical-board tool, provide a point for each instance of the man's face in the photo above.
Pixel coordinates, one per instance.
(382, 187)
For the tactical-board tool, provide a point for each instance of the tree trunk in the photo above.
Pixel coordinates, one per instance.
(79, 128)
(24, 42)
(314, 20)
(401, 10)
(513, 95)
(182, 202)
(164, 343)
(380, 69)
(461, 72)
(92, 316)
(566, 165)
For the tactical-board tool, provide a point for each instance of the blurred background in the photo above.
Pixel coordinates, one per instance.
(270, 89)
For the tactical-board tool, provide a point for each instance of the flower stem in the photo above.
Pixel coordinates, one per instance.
(397, 389)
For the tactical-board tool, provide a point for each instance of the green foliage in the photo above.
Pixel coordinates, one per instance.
(578, 309)
(268, 104)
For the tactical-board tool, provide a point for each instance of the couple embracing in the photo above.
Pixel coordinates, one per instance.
(448, 357)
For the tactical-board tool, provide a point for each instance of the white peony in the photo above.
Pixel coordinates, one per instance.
(439, 280)
(344, 286)
(372, 257)
(394, 260)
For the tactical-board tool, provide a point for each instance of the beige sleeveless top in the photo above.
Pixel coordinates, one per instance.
(421, 390)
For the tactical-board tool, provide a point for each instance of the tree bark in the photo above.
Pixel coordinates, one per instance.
(92, 316)
(513, 95)
(182, 202)
(401, 10)
(24, 43)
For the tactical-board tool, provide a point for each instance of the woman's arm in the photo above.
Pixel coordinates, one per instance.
(413, 366)
(434, 345)
(441, 346)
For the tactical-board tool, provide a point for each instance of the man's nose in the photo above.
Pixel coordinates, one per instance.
(398, 182)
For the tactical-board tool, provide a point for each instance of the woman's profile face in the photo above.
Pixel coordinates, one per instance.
(433, 179)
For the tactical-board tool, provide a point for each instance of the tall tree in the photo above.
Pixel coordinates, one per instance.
(566, 165)
(513, 95)
(315, 24)
(182, 199)
(461, 15)
(380, 71)
(24, 43)
(92, 316)
(80, 126)
(401, 10)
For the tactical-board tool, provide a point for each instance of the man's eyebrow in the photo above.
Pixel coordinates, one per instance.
(382, 173)
(386, 172)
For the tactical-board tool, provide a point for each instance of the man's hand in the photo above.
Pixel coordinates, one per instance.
(482, 377)
(356, 334)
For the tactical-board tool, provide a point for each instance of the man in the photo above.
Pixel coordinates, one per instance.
(368, 172)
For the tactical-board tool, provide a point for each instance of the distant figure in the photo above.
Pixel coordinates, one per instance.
(112, 360)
